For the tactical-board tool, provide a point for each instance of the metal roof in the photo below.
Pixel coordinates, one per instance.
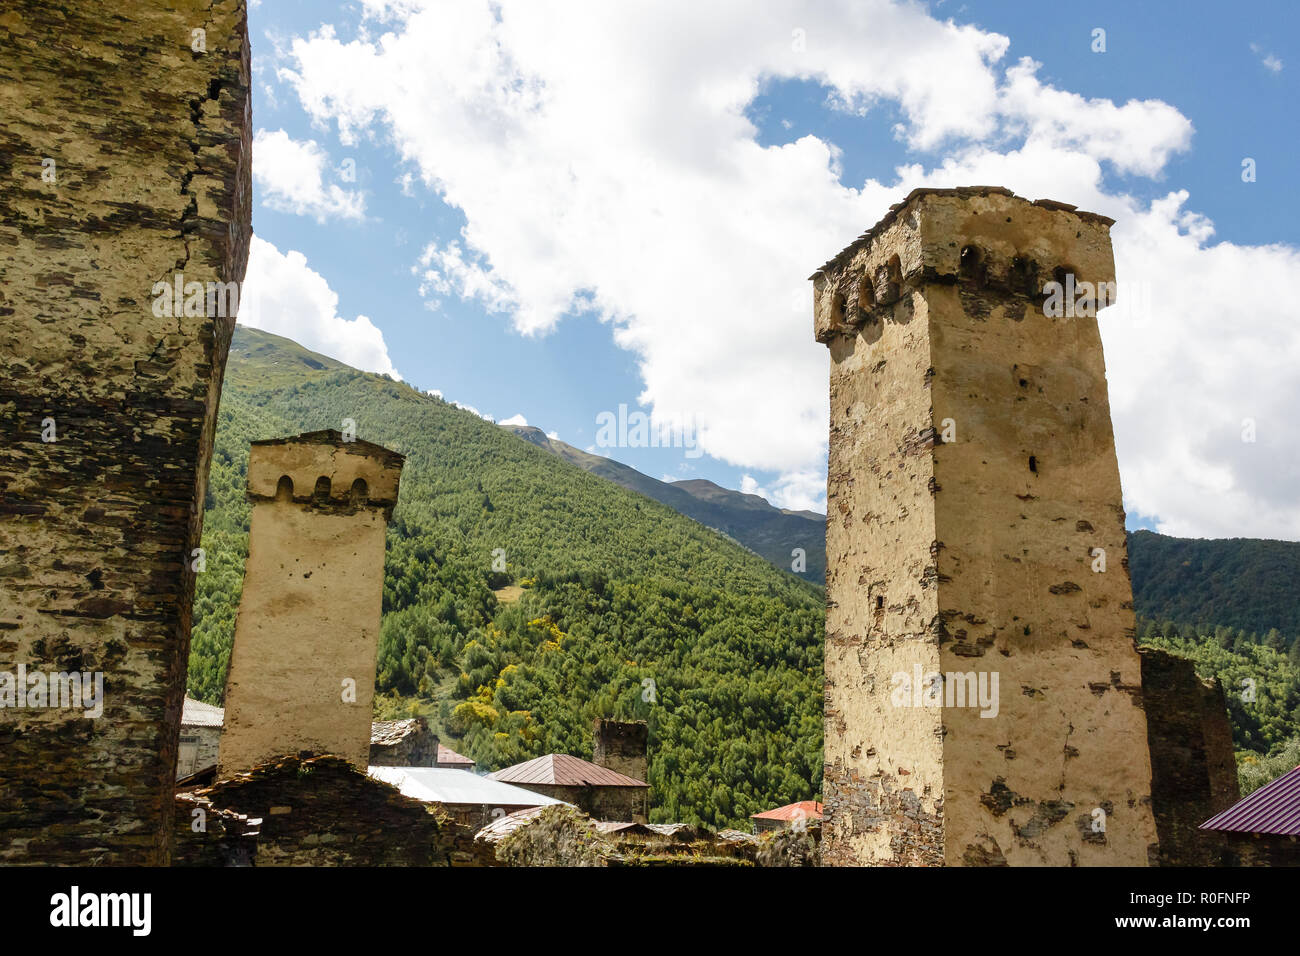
(562, 770)
(803, 810)
(1273, 808)
(449, 785)
(195, 713)
(447, 755)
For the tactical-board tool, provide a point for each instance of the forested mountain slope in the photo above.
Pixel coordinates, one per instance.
(610, 604)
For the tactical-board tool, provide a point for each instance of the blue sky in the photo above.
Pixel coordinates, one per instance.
(761, 158)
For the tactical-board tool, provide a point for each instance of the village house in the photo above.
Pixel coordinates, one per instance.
(598, 791)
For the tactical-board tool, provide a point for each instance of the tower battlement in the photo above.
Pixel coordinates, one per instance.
(983, 236)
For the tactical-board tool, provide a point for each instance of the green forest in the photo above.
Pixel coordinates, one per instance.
(609, 604)
(524, 597)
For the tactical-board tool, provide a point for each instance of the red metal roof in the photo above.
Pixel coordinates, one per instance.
(1273, 808)
(448, 756)
(803, 810)
(562, 770)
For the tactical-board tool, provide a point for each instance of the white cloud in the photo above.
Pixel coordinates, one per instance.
(1270, 61)
(290, 175)
(515, 420)
(282, 294)
(603, 161)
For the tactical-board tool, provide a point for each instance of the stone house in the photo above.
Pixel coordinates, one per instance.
(602, 793)
(200, 737)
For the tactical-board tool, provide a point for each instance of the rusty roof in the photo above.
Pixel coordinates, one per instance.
(562, 770)
(803, 810)
(1273, 808)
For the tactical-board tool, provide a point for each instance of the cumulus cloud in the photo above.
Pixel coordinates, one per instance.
(283, 295)
(290, 175)
(515, 420)
(603, 160)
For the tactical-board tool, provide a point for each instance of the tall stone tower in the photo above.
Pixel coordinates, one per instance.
(622, 745)
(302, 670)
(975, 530)
(125, 162)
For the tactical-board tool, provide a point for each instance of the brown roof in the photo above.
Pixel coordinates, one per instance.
(447, 755)
(562, 770)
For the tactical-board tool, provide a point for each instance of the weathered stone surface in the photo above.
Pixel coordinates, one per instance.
(972, 472)
(124, 162)
(622, 746)
(1193, 767)
(302, 669)
(322, 811)
(403, 743)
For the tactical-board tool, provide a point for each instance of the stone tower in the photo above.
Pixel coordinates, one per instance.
(975, 530)
(124, 175)
(302, 669)
(622, 746)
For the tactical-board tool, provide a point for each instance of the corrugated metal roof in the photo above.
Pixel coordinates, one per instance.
(195, 713)
(449, 785)
(1273, 808)
(447, 755)
(803, 810)
(562, 770)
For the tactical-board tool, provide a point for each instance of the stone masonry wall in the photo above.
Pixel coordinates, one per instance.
(972, 483)
(622, 746)
(322, 811)
(1194, 770)
(124, 162)
(403, 743)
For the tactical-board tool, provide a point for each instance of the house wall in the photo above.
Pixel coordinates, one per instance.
(199, 749)
(623, 804)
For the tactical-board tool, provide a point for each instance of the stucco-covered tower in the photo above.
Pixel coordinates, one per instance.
(302, 670)
(976, 530)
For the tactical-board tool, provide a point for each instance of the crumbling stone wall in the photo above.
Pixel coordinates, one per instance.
(207, 835)
(322, 811)
(124, 162)
(403, 743)
(622, 746)
(302, 668)
(972, 485)
(1193, 766)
